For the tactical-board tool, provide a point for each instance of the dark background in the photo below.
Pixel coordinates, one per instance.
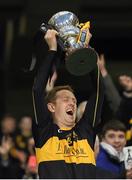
(111, 28)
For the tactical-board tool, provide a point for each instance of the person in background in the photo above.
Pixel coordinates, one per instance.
(110, 156)
(124, 112)
(20, 149)
(120, 104)
(9, 168)
(8, 126)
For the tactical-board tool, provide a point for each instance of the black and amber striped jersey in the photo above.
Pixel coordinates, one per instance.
(64, 153)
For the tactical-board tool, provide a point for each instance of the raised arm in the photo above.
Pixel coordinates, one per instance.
(111, 91)
(40, 82)
(92, 113)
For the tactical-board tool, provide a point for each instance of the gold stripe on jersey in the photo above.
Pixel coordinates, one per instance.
(55, 150)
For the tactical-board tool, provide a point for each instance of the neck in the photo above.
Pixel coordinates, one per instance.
(64, 126)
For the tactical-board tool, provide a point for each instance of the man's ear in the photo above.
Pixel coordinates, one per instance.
(51, 107)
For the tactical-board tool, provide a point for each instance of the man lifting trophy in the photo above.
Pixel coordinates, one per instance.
(65, 147)
(74, 39)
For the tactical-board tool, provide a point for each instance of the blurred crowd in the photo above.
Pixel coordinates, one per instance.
(17, 148)
(17, 153)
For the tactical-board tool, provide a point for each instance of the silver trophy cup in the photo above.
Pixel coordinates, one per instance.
(81, 60)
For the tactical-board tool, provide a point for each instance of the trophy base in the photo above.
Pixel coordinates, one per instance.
(82, 61)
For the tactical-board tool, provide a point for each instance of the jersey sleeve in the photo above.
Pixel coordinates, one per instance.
(38, 91)
(92, 114)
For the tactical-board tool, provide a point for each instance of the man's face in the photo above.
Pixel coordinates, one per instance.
(116, 139)
(64, 108)
(126, 82)
(8, 125)
(26, 123)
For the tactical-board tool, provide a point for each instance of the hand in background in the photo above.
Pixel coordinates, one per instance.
(51, 82)
(102, 65)
(5, 145)
(31, 146)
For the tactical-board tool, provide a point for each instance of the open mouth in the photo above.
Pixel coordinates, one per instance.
(70, 112)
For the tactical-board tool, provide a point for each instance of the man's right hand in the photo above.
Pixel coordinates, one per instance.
(50, 38)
